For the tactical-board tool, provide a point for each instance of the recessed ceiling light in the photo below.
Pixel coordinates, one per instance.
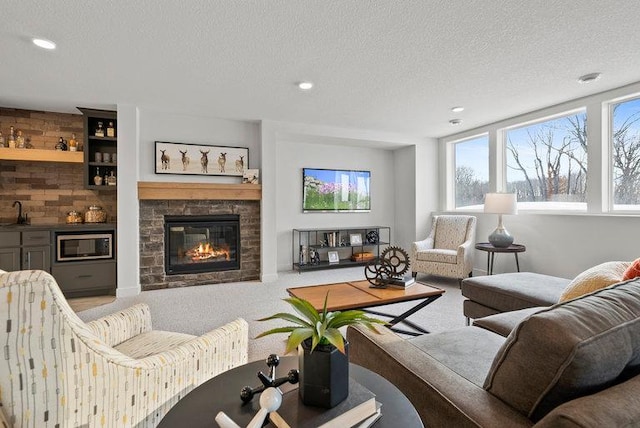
(305, 86)
(455, 122)
(44, 44)
(588, 78)
(457, 109)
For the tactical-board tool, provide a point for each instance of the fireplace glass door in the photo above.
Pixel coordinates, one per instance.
(195, 244)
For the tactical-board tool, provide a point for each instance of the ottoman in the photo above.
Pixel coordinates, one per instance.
(493, 294)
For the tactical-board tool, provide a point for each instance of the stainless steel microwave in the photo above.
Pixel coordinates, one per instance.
(84, 246)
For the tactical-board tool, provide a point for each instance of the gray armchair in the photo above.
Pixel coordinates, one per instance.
(448, 250)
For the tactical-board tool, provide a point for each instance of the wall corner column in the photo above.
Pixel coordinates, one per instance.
(128, 236)
(269, 238)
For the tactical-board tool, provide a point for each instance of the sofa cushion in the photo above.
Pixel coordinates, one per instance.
(152, 342)
(467, 351)
(504, 323)
(595, 278)
(512, 291)
(618, 406)
(632, 271)
(569, 350)
(438, 256)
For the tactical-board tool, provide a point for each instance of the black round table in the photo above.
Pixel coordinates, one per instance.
(491, 253)
(200, 407)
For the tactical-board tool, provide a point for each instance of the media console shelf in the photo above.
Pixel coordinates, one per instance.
(344, 241)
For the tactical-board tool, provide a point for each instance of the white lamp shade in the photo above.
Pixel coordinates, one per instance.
(500, 203)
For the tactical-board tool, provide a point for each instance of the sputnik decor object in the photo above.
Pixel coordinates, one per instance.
(247, 393)
(270, 401)
(271, 397)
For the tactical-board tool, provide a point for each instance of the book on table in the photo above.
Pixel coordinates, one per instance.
(401, 282)
(360, 409)
(371, 419)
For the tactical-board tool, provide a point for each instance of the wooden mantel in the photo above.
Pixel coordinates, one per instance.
(199, 191)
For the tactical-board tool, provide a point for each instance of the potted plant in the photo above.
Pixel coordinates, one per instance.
(323, 354)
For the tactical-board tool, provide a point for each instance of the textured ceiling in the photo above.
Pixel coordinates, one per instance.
(381, 65)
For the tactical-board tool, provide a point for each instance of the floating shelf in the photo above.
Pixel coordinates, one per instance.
(40, 155)
(199, 191)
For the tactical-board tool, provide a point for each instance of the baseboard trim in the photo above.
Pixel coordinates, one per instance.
(269, 277)
(479, 272)
(127, 292)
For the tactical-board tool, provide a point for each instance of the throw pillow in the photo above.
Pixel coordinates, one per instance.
(632, 271)
(595, 278)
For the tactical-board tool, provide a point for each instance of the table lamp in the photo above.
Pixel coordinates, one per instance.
(500, 203)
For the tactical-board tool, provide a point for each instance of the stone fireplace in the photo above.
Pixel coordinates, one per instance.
(194, 244)
(190, 229)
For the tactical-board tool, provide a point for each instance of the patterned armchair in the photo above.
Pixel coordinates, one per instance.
(112, 372)
(448, 250)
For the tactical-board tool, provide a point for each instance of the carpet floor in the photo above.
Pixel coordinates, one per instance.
(198, 309)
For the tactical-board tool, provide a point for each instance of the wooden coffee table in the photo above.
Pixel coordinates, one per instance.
(359, 295)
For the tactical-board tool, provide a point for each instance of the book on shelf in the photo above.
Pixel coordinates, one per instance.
(359, 407)
(331, 239)
(401, 282)
(363, 256)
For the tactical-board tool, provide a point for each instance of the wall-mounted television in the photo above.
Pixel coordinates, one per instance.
(335, 190)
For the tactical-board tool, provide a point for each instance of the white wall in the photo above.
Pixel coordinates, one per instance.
(561, 245)
(427, 185)
(404, 165)
(179, 128)
(404, 179)
(292, 156)
(138, 128)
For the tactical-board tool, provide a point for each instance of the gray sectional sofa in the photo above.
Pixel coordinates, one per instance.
(494, 294)
(572, 364)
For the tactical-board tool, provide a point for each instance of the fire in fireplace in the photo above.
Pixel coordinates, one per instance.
(195, 244)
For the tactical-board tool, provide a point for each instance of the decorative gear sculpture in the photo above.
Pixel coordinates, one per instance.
(398, 258)
(393, 262)
(377, 272)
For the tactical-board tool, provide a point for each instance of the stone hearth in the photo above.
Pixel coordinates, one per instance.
(152, 212)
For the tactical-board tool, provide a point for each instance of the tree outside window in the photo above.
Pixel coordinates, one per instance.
(472, 172)
(547, 163)
(625, 155)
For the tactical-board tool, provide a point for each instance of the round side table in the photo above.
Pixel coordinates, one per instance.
(199, 407)
(491, 253)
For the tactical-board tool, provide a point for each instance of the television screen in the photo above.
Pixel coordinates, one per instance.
(335, 190)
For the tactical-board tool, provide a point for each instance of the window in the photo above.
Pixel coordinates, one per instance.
(471, 172)
(625, 154)
(547, 163)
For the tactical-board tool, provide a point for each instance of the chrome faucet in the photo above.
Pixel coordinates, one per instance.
(20, 219)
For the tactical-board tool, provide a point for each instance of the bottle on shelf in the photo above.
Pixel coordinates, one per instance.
(99, 130)
(61, 146)
(20, 140)
(11, 141)
(104, 179)
(73, 143)
(111, 130)
(1, 140)
(97, 179)
(111, 179)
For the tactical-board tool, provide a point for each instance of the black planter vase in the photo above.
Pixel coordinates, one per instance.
(324, 374)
